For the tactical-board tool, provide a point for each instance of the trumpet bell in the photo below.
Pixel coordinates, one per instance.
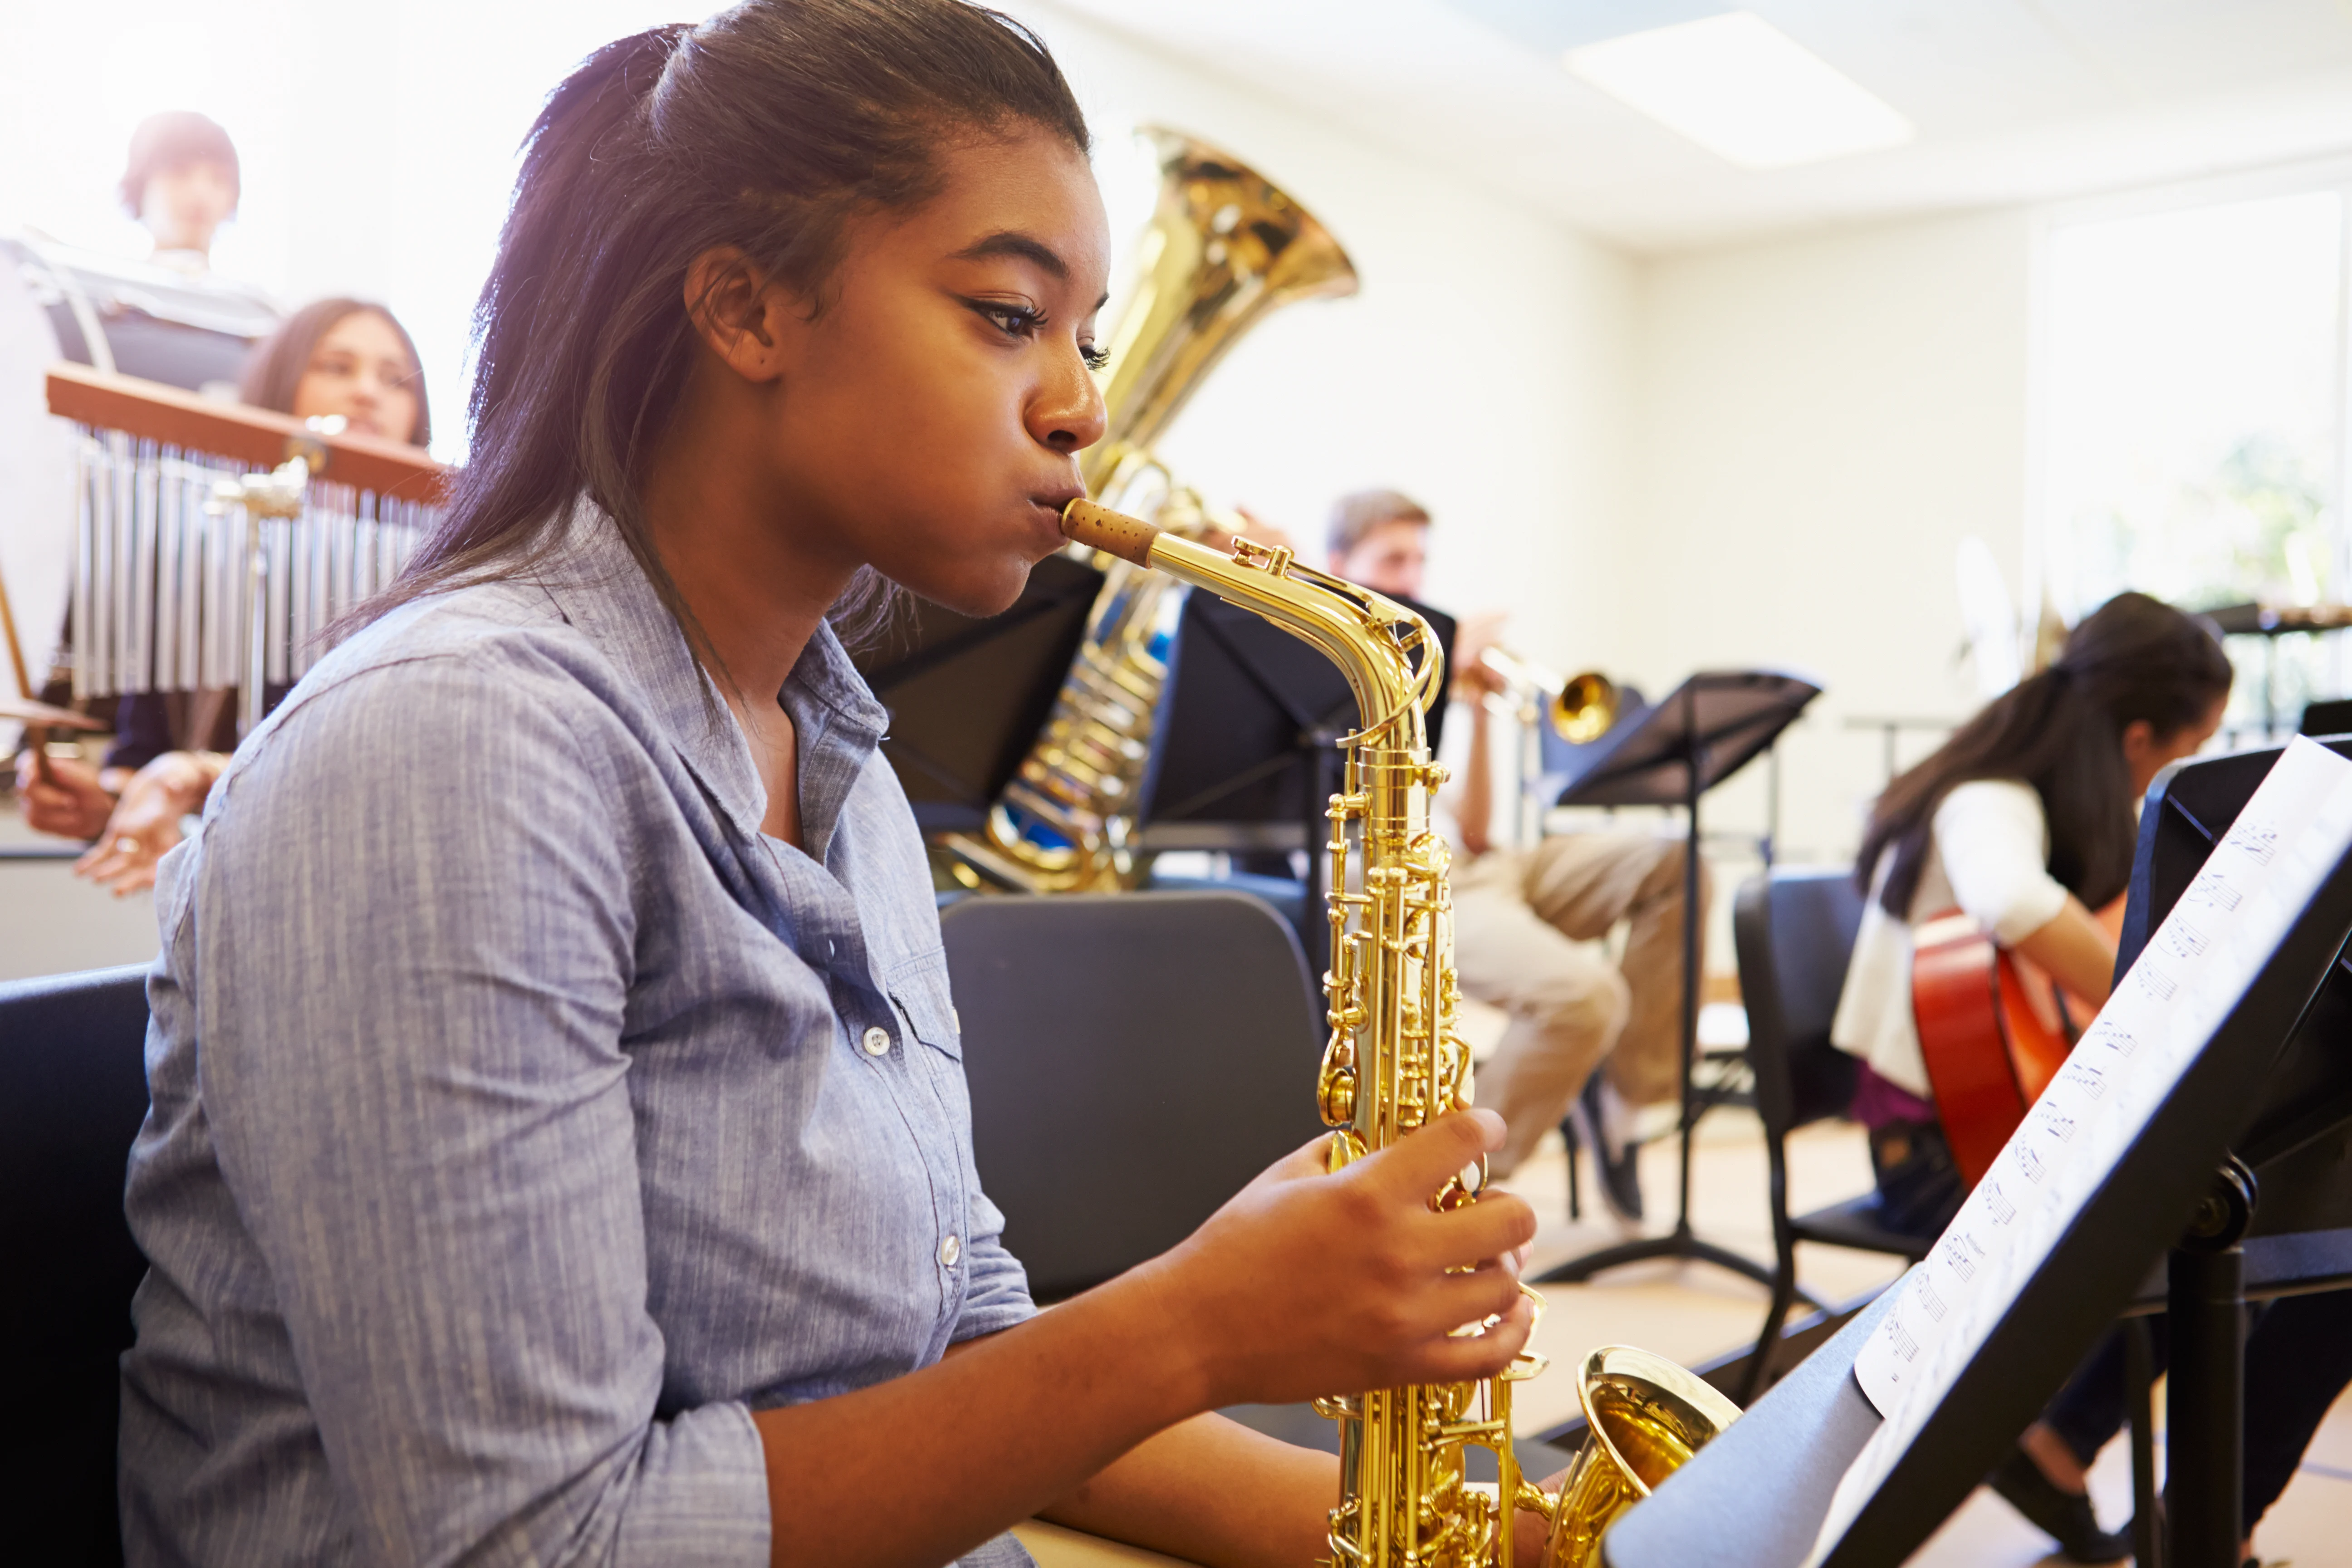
(1646, 1416)
(1584, 708)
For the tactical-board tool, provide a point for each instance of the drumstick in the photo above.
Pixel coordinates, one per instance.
(37, 736)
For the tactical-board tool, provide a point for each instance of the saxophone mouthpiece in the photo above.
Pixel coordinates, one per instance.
(1112, 533)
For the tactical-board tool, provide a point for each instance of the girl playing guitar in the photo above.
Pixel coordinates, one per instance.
(2018, 827)
(2023, 822)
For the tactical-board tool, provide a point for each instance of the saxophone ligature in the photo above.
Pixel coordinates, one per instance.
(1395, 1062)
(1225, 247)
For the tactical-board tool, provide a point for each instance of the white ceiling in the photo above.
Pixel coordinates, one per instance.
(2014, 99)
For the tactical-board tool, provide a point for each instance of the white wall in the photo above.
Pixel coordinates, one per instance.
(1819, 422)
(1480, 367)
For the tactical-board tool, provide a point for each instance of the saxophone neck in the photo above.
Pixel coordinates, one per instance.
(1372, 639)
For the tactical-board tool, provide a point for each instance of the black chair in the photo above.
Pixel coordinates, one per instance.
(1134, 1061)
(73, 1090)
(1793, 928)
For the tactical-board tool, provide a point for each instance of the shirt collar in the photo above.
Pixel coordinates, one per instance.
(600, 589)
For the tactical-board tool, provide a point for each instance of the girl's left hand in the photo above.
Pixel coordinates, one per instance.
(1531, 1531)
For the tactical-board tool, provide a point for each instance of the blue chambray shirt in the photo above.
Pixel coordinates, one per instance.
(523, 1117)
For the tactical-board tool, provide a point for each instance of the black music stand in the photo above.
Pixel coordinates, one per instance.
(967, 695)
(2271, 1081)
(1705, 731)
(1245, 753)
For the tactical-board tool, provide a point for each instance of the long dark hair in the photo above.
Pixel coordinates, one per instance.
(765, 128)
(274, 370)
(2061, 731)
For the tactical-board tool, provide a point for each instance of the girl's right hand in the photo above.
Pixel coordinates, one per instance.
(1314, 1282)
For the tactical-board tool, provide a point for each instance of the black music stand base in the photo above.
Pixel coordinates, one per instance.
(1682, 1244)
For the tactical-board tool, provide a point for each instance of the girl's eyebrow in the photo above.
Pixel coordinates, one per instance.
(1012, 242)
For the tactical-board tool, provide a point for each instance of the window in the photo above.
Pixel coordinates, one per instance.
(2193, 423)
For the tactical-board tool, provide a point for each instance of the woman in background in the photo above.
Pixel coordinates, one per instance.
(333, 358)
(2025, 820)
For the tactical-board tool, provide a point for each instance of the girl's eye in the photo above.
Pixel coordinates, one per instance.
(1023, 322)
(1013, 320)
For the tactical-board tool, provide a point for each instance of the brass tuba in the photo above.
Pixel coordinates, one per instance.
(1393, 1063)
(1225, 247)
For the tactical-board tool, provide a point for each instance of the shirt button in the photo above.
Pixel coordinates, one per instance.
(877, 1042)
(949, 1250)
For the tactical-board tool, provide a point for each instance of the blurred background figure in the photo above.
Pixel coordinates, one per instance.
(182, 183)
(170, 319)
(334, 359)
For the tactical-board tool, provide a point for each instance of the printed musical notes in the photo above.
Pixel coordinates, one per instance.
(2182, 940)
(2212, 890)
(2256, 841)
(2189, 975)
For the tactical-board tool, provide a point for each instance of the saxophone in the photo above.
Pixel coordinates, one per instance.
(1225, 247)
(1393, 1063)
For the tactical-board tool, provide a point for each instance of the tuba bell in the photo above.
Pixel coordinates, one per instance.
(1226, 245)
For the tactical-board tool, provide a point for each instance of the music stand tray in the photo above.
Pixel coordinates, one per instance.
(1705, 731)
(967, 695)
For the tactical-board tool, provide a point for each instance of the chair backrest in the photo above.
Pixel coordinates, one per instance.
(1134, 1061)
(1793, 928)
(73, 1091)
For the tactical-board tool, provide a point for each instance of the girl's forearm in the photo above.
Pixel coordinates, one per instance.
(1272, 1499)
(922, 1469)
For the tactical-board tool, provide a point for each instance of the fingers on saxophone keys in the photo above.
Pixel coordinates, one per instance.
(1487, 1348)
(1498, 1225)
(1426, 1160)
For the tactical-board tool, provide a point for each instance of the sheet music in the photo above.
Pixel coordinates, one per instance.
(2225, 927)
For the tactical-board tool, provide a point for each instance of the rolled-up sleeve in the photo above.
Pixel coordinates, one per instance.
(998, 1295)
(430, 1132)
(1994, 844)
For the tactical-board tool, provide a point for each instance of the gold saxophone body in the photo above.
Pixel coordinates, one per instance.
(1393, 1063)
(1226, 245)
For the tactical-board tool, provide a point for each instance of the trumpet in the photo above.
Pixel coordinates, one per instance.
(1579, 708)
(1393, 1062)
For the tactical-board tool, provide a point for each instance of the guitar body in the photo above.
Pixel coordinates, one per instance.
(1992, 1038)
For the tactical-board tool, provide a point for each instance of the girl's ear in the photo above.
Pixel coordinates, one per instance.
(745, 317)
(2139, 740)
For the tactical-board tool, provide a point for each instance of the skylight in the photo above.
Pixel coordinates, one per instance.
(1742, 90)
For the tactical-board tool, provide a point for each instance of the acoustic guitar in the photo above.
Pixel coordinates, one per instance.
(1993, 1029)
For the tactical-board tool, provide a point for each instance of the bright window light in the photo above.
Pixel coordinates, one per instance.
(1742, 90)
